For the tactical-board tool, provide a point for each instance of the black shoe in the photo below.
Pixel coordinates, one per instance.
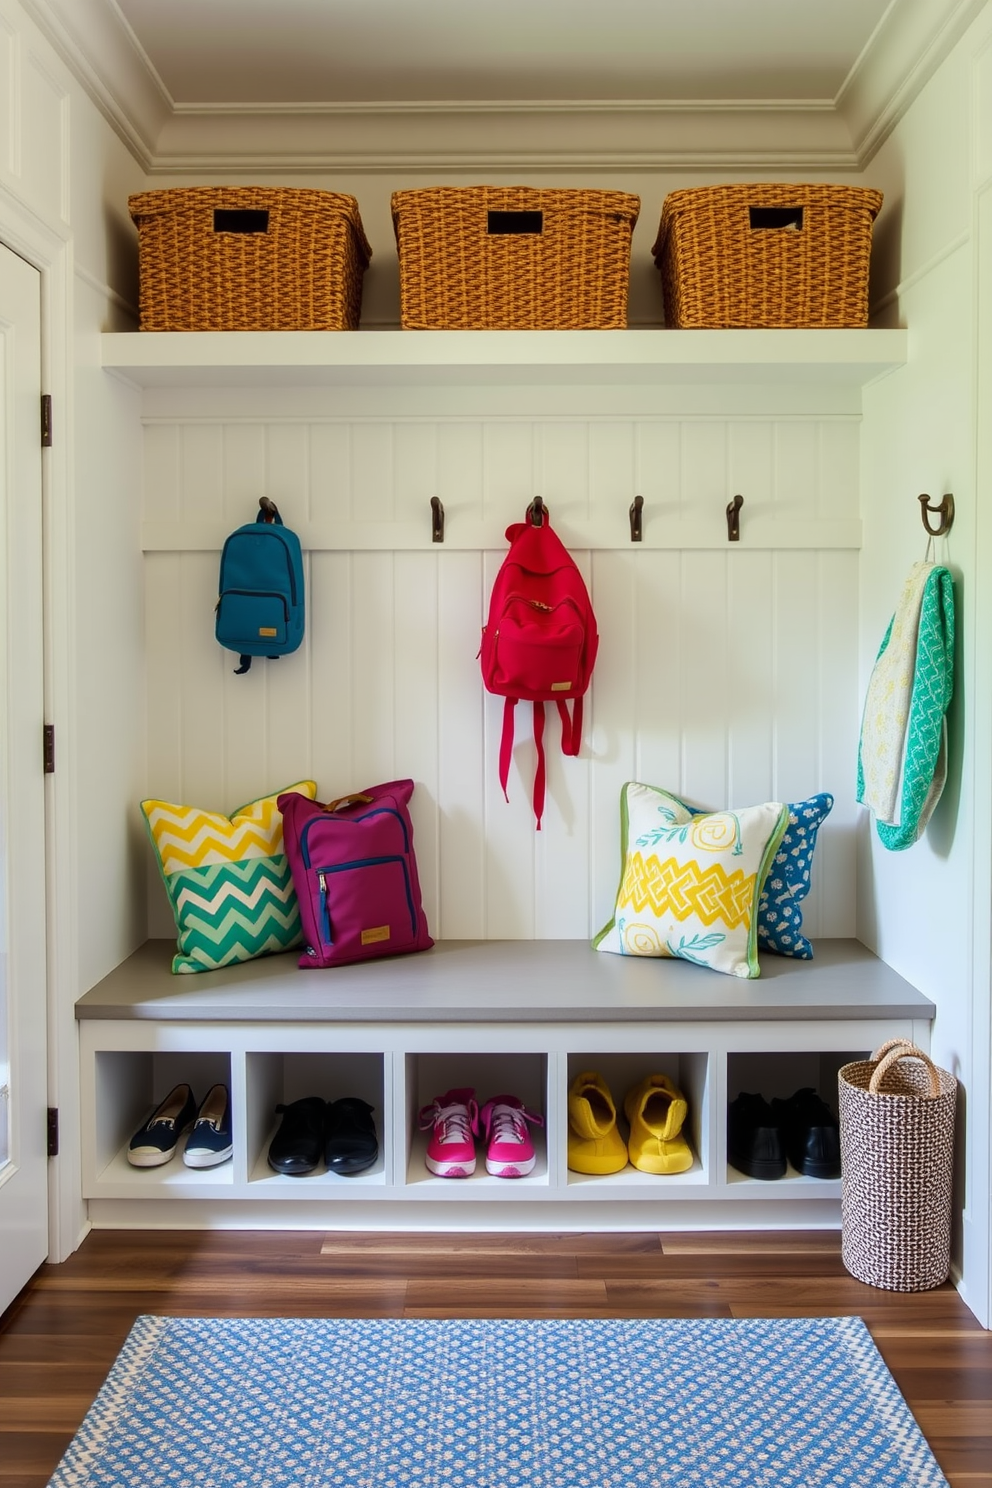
(812, 1134)
(754, 1138)
(298, 1145)
(351, 1145)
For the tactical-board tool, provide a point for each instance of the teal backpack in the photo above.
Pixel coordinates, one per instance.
(260, 609)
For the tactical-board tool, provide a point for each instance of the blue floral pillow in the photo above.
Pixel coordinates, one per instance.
(780, 917)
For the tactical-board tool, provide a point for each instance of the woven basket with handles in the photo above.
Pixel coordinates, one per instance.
(897, 1154)
(509, 258)
(249, 258)
(766, 254)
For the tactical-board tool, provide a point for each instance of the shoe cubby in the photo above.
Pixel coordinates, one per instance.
(127, 1087)
(623, 1072)
(778, 1076)
(501, 1018)
(429, 1075)
(273, 1079)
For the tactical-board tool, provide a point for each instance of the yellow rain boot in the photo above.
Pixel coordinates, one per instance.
(594, 1144)
(656, 1111)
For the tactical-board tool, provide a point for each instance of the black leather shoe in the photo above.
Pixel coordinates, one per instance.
(812, 1134)
(351, 1144)
(754, 1138)
(298, 1145)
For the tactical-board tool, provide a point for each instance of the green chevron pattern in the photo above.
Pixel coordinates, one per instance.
(924, 764)
(230, 912)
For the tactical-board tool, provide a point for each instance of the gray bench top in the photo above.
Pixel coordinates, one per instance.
(506, 981)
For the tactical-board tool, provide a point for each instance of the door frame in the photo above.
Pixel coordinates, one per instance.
(979, 1153)
(51, 254)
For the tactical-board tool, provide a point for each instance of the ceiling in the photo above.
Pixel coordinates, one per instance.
(314, 86)
(362, 51)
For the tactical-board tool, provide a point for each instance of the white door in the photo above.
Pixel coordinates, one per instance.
(23, 1063)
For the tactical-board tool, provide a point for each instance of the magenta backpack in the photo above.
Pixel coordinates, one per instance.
(355, 875)
(540, 641)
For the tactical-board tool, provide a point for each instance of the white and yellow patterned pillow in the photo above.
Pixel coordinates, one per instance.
(227, 878)
(690, 881)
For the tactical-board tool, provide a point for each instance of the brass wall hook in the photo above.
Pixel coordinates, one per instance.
(437, 520)
(945, 510)
(734, 519)
(636, 508)
(537, 513)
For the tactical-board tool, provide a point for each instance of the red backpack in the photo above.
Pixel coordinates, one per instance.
(540, 641)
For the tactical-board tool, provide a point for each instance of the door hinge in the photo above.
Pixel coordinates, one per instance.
(46, 420)
(53, 1131)
(48, 748)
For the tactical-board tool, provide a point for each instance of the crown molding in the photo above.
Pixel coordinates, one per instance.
(97, 45)
(104, 55)
(536, 136)
(907, 46)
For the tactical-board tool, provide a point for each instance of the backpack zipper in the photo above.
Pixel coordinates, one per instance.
(285, 550)
(322, 876)
(378, 811)
(535, 604)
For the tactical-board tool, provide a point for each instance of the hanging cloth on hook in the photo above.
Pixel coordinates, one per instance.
(902, 755)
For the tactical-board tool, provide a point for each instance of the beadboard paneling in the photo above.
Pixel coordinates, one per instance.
(724, 673)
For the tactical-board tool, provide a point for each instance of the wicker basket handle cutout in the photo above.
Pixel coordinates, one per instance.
(902, 1049)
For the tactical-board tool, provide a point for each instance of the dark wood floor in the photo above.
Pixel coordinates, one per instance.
(61, 1336)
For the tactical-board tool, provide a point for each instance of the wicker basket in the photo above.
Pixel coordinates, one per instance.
(509, 258)
(249, 258)
(766, 255)
(897, 1152)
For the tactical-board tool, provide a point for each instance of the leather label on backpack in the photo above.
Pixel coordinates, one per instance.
(560, 686)
(369, 937)
(267, 630)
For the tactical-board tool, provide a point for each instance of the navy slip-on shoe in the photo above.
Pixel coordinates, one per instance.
(210, 1142)
(298, 1145)
(156, 1141)
(351, 1145)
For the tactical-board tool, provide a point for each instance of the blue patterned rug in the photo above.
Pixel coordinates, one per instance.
(320, 1403)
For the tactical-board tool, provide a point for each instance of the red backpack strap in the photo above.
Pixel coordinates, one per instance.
(571, 726)
(506, 743)
(506, 753)
(540, 774)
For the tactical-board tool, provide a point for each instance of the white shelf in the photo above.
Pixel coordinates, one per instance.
(631, 1181)
(215, 359)
(171, 1180)
(421, 1181)
(740, 1186)
(319, 1184)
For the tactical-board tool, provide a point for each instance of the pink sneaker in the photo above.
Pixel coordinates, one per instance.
(455, 1121)
(510, 1151)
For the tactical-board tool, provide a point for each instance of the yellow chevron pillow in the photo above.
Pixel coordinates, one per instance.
(227, 878)
(690, 881)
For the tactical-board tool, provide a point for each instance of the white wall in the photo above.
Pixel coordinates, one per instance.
(724, 674)
(63, 176)
(925, 909)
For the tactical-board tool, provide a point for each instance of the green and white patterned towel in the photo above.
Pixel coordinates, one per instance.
(902, 756)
